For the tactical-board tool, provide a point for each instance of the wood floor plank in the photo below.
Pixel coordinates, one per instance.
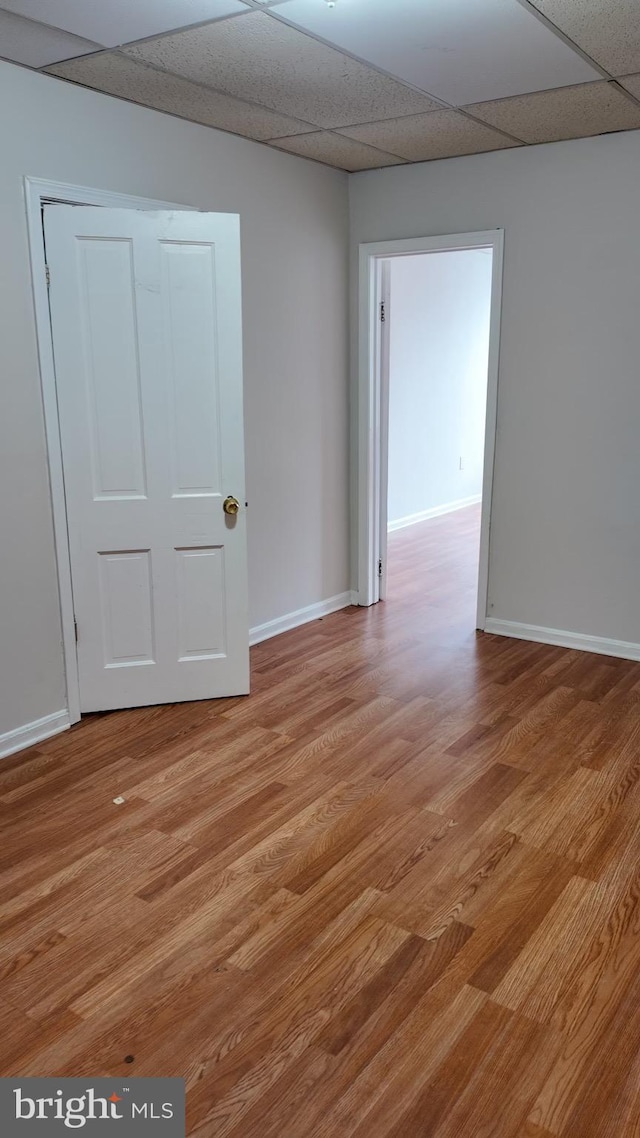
(394, 893)
(480, 1088)
(392, 1083)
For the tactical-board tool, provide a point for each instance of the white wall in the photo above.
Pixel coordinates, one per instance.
(294, 242)
(565, 533)
(438, 351)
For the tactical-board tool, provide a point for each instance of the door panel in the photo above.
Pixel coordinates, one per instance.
(146, 322)
(201, 586)
(127, 608)
(111, 367)
(190, 314)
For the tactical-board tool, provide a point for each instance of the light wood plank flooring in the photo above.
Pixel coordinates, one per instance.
(396, 891)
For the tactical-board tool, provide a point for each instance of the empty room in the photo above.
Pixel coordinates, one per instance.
(320, 534)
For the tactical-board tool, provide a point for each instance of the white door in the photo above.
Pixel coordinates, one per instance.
(146, 320)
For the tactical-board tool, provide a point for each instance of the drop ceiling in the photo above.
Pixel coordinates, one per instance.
(360, 85)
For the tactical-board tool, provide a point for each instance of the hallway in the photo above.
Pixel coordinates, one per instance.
(394, 892)
(433, 568)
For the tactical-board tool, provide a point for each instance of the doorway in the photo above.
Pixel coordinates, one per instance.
(426, 444)
(140, 309)
(438, 316)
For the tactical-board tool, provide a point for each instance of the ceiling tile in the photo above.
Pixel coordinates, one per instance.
(113, 22)
(440, 134)
(334, 150)
(573, 112)
(608, 30)
(35, 45)
(632, 84)
(461, 52)
(115, 74)
(260, 58)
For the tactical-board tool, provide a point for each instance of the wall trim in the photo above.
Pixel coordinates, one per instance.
(624, 649)
(301, 616)
(35, 732)
(434, 512)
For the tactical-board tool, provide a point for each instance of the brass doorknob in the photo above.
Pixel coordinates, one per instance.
(231, 505)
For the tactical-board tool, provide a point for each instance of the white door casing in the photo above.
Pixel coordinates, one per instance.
(146, 323)
(383, 348)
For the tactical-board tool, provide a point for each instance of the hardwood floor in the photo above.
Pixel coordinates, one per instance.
(396, 891)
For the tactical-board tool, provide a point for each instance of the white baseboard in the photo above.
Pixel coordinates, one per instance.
(35, 732)
(434, 512)
(300, 616)
(40, 729)
(625, 649)
(22, 737)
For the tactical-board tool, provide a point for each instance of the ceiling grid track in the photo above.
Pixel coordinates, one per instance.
(351, 86)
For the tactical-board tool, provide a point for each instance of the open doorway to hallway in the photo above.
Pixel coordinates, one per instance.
(436, 355)
(447, 342)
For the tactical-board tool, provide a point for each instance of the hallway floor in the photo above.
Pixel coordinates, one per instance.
(394, 892)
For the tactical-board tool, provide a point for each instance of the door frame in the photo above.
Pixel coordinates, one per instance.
(373, 400)
(39, 192)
